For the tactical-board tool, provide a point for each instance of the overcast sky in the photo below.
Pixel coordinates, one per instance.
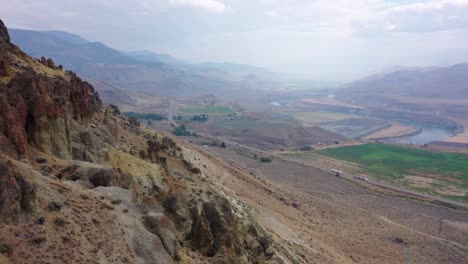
(315, 39)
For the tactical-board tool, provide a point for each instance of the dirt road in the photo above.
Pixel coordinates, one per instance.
(171, 112)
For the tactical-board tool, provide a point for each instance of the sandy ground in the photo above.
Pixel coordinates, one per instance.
(395, 130)
(460, 138)
(330, 101)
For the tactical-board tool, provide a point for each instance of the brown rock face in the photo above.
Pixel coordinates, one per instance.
(16, 194)
(215, 230)
(4, 36)
(38, 109)
(4, 43)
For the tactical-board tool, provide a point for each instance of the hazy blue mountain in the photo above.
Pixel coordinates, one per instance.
(427, 82)
(149, 56)
(240, 70)
(146, 71)
(72, 51)
(65, 36)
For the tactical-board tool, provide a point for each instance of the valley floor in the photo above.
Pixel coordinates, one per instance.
(343, 222)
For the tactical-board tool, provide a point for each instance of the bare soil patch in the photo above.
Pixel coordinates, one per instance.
(395, 130)
(330, 101)
(420, 182)
(460, 138)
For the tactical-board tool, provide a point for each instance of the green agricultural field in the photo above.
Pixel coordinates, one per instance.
(397, 161)
(442, 174)
(209, 110)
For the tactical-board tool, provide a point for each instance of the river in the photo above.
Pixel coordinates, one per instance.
(427, 135)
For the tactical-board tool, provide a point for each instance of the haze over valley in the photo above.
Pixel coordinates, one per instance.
(218, 131)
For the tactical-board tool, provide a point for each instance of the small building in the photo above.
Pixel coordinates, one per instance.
(336, 172)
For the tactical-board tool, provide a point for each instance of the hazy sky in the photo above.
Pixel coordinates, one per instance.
(315, 39)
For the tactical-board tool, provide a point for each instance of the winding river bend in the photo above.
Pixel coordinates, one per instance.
(428, 134)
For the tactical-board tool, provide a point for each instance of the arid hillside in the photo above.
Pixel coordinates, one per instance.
(442, 91)
(447, 83)
(80, 183)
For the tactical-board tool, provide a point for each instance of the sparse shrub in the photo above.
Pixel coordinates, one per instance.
(38, 240)
(265, 159)
(41, 160)
(40, 221)
(116, 201)
(5, 249)
(54, 206)
(59, 222)
(196, 170)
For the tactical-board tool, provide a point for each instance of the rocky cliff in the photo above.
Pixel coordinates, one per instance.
(79, 183)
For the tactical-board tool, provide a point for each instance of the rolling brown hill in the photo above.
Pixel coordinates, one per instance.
(435, 91)
(450, 82)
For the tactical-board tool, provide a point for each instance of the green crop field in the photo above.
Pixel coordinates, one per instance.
(213, 110)
(444, 171)
(396, 161)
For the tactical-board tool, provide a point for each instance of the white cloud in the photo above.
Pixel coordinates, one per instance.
(272, 14)
(431, 16)
(209, 5)
(320, 39)
(431, 6)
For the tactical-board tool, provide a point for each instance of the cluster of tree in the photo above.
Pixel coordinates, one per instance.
(200, 118)
(182, 131)
(145, 116)
(215, 143)
(306, 148)
(262, 159)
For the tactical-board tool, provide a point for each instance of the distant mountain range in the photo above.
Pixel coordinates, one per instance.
(159, 74)
(432, 91)
(426, 82)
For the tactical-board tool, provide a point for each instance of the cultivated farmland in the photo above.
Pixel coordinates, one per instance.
(445, 174)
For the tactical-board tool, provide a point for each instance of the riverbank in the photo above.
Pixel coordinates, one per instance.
(394, 132)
